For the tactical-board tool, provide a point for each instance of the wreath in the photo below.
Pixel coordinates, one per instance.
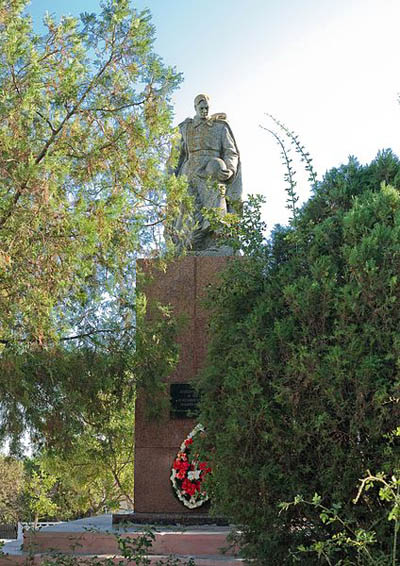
(188, 473)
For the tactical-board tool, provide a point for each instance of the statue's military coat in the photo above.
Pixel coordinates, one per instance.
(201, 141)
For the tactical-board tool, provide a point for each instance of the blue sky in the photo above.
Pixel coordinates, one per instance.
(329, 69)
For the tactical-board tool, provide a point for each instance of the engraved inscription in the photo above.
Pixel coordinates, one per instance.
(184, 401)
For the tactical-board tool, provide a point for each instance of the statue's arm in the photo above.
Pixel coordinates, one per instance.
(231, 157)
(181, 158)
(230, 153)
(183, 147)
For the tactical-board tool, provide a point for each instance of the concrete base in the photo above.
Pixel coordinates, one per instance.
(96, 536)
(106, 560)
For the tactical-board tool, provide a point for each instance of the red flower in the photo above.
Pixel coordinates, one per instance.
(181, 474)
(189, 487)
(204, 467)
(188, 441)
(179, 465)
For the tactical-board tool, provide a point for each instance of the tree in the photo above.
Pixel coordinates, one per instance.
(11, 489)
(85, 131)
(38, 492)
(300, 392)
(97, 474)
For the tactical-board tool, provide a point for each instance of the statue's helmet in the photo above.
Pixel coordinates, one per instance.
(214, 167)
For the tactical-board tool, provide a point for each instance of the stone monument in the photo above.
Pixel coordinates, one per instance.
(210, 160)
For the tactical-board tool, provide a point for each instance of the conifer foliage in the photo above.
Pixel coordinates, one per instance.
(85, 128)
(301, 390)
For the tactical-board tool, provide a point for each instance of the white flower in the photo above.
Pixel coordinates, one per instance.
(195, 475)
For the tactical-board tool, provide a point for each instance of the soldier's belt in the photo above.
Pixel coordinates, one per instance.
(205, 152)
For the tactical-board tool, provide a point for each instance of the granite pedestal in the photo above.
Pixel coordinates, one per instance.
(183, 286)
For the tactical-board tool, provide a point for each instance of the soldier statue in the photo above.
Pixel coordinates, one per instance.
(210, 160)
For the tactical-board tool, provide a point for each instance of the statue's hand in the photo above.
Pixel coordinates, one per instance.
(224, 175)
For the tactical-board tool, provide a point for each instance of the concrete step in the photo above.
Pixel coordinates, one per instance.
(87, 559)
(180, 542)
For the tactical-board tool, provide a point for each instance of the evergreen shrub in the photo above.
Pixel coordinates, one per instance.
(301, 386)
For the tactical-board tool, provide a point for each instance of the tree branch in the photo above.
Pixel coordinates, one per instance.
(118, 108)
(122, 490)
(87, 334)
(46, 120)
(73, 111)
(54, 135)
(155, 223)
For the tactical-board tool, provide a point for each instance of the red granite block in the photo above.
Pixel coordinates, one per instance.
(183, 286)
(153, 489)
(166, 432)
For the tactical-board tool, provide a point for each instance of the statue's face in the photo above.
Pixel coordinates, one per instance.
(202, 109)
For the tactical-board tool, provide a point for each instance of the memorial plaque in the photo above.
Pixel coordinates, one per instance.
(184, 401)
